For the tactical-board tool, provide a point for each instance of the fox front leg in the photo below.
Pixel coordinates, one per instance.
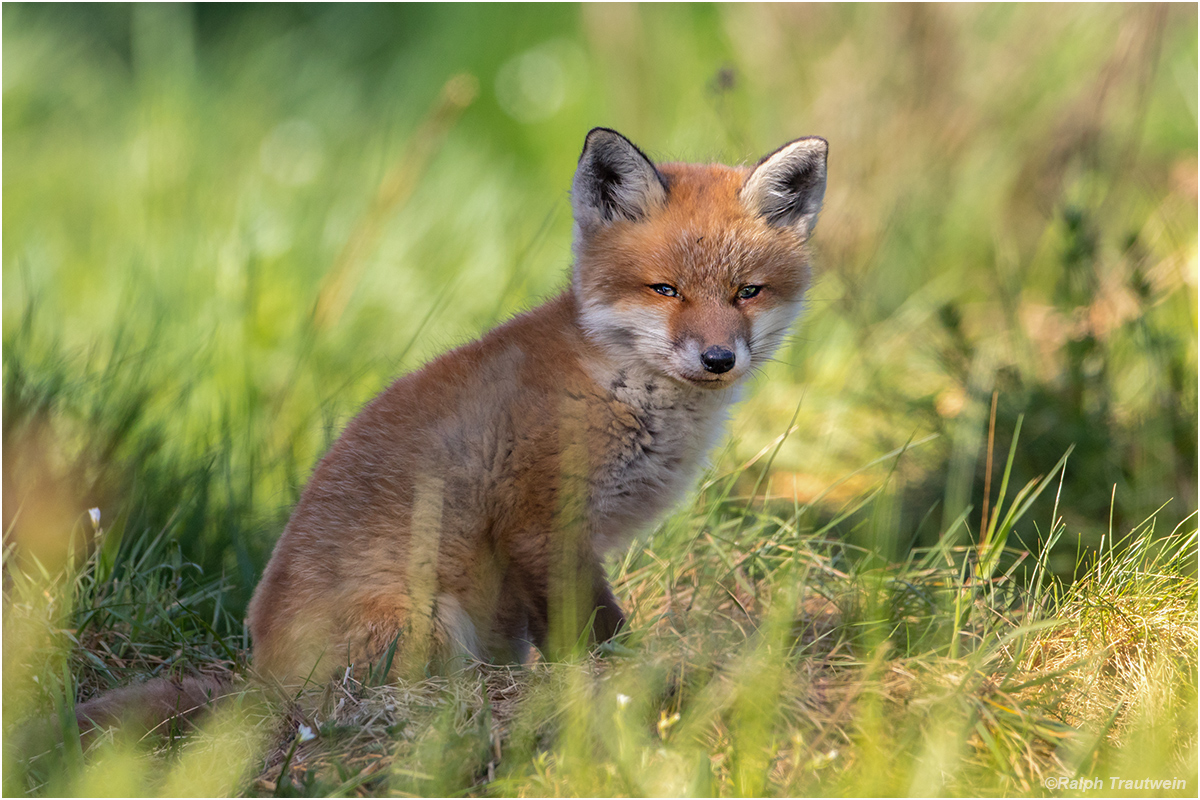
(559, 618)
(609, 620)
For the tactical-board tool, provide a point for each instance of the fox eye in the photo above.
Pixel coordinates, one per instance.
(746, 292)
(665, 289)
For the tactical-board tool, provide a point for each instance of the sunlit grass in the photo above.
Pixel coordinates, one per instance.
(766, 661)
(227, 229)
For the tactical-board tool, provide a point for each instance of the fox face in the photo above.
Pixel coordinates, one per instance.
(695, 272)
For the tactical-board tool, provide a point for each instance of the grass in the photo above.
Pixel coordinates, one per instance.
(771, 660)
(227, 227)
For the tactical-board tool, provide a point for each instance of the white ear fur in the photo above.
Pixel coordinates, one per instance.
(787, 186)
(614, 180)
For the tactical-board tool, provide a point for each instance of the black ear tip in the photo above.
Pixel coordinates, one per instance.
(596, 135)
(819, 144)
(816, 145)
(605, 141)
(599, 130)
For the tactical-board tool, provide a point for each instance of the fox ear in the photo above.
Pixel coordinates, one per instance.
(786, 188)
(614, 181)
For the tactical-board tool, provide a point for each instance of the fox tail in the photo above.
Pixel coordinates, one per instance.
(153, 706)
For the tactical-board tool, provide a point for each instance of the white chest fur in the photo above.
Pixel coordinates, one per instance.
(656, 449)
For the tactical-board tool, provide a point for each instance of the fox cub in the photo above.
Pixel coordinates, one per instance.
(465, 511)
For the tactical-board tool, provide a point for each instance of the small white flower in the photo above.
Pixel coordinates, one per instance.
(306, 733)
(94, 513)
(623, 700)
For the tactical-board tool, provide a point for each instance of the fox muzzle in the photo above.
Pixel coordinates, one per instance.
(717, 359)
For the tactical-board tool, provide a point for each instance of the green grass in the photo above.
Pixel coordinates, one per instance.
(764, 658)
(226, 228)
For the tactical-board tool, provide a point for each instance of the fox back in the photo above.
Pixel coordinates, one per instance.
(465, 512)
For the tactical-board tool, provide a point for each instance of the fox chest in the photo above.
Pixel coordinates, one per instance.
(652, 445)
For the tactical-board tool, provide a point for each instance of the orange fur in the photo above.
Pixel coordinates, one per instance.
(464, 512)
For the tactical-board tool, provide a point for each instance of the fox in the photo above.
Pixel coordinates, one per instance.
(465, 513)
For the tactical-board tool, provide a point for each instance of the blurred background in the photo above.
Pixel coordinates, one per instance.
(226, 227)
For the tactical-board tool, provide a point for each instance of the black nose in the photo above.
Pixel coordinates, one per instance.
(717, 359)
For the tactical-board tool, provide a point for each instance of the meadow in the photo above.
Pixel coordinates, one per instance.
(947, 548)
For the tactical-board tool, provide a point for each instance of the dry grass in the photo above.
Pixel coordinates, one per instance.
(1125, 656)
(769, 662)
(729, 691)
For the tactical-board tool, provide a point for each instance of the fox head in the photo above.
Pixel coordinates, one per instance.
(694, 271)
